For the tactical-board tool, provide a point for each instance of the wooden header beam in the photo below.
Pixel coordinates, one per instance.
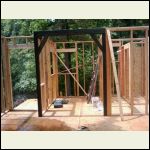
(118, 29)
(129, 39)
(69, 32)
(66, 50)
(18, 37)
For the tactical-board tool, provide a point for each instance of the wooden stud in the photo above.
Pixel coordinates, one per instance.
(131, 81)
(47, 71)
(119, 69)
(146, 72)
(100, 71)
(93, 56)
(57, 87)
(113, 89)
(3, 100)
(83, 65)
(77, 71)
(66, 50)
(106, 76)
(50, 77)
(7, 75)
(75, 88)
(115, 73)
(42, 79)
(44, 76)
(101, 77)
(54, 71)
(142, 69)
(124, 72)
(3, 108)
(65, 85)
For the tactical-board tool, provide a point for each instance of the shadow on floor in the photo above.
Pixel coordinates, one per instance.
(37, 124)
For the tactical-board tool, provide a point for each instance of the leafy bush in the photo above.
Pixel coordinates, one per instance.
(23, 71)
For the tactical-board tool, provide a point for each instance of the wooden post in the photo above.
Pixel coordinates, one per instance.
(125, 74)
(40, 73)
(47, 71)
(100, 75)
(93, 56)
(2, 93)
(75, 90)
(56, 69)
(120, 69)
(3, 100)
(131, 71)
(65, 85)
(106, 76)
(7, 75)
(115, 73)
(100, 55)
(142, 69)
(83, 67)
(146, 72)
(42, 79)
(54, 72)
(38, 78)
(50, 82)
(77, 71)
(123, 71)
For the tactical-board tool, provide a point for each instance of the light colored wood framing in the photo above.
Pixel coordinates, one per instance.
(83, 55)
(115, 73)
(3, 100)
(66, 50)
(93, 55)
(146, 72)
(77, 70)
(48, 72)
(65, 85)
(108, 65)
(100, 75)
(7, 86)
(42, 78)
(123, 64)
(55, 72)
(100, 71)
(75, 87)
(131, 78)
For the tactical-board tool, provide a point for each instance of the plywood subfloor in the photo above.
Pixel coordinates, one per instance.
(72, 116)
(29, 104)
